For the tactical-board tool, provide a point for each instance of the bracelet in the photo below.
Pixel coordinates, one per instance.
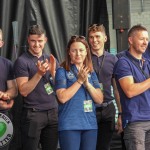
(79, 82)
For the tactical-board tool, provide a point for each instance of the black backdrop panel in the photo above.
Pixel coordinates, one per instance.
(121, 14)
(60, 18)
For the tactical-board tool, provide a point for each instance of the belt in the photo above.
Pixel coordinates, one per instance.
(35, 110)
(104, 104)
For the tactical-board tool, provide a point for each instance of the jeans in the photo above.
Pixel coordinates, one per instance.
(106, 126)
(78, 139)
(137, 136)
(39, 126)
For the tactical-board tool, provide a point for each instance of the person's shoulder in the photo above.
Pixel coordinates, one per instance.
(122, 61)
(108, 54)
(22, 60)
(60, 69)
(120, 54)
(22, 57)
(111, 58)
(60, 73)
(5, 60)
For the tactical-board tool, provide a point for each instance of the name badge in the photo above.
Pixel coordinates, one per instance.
(88, 106)
(101, 87)
(48, 88)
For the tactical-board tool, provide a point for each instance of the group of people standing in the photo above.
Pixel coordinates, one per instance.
(73, 101)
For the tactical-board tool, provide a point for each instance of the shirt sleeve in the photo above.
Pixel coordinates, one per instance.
(21, 69)
(122, 69)
(95, 80)
(60, 79)
(11, 71)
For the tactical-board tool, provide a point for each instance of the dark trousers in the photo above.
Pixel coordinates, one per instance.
(5, 147)
(122, 141)
(39, 126)
(106, 126)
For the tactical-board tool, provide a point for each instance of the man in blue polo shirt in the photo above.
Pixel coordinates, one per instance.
(103, 63)
(8, 89)
(132, 72)
(35, 76)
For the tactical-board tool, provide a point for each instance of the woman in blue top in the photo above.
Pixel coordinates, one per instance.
(78, 90)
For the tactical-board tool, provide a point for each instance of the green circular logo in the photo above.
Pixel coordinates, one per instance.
(3, 128)
(6, 130)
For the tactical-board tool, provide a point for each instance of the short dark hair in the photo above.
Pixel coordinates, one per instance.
(136, 28)
(36, 29)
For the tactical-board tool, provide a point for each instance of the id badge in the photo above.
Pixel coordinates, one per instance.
(48, 88)
(101, 87)
(88, 106)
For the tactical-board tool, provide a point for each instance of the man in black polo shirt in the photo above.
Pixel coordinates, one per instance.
(35, 73)
(8, 90)
(103, 63)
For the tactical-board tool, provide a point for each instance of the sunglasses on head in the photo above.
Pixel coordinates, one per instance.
(95, 25)
(78, 36)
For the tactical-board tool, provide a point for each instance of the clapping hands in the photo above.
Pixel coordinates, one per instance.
(83, 74)
(52, 65)
(42, 66)
(5, 102)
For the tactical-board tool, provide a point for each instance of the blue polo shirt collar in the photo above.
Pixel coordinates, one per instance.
(137, 61)
(104, 53)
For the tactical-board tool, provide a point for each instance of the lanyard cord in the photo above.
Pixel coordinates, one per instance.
(98, 71)
(141, 70)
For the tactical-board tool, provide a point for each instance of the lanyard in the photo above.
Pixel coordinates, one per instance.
(99, 69)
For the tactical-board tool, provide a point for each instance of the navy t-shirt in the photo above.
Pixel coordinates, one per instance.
(103, 67)
(6, 73)
(25, 66)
